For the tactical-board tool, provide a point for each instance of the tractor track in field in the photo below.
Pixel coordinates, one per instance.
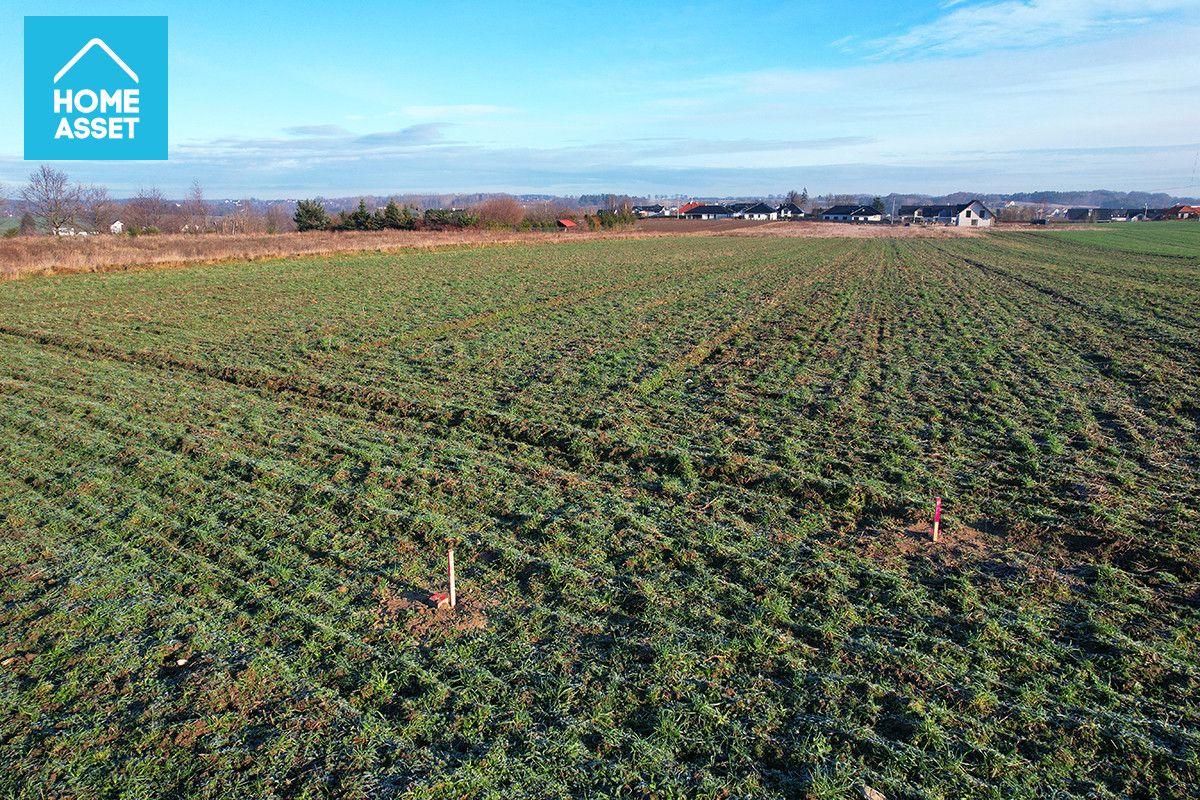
(703, 350)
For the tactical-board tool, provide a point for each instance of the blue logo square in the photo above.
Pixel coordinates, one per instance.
(95, 88)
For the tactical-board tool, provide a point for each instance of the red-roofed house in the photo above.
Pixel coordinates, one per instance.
(567, 225)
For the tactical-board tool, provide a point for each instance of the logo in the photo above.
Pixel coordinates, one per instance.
(95, 88)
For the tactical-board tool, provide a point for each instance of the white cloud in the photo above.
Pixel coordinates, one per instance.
(1011, 24)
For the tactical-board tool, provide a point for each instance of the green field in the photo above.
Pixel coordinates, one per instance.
(689, 481)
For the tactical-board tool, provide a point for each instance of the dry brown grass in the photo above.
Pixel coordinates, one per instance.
(50, 255)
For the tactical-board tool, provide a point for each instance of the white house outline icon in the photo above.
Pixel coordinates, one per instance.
(96, 43)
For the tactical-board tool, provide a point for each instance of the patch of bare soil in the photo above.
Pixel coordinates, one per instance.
(957, 543)
(421, 616)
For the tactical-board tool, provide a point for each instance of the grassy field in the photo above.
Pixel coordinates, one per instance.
(689, 482)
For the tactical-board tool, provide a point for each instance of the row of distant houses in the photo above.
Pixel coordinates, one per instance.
(1130, 214)
(757, 211)
(973, 214)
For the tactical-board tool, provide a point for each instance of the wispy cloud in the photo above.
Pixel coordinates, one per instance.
(459, 111)
(1013, 24)
(690, 147)
(425, 133)
(316, 130)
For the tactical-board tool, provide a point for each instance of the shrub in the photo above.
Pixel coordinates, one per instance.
(439, 218)
(503, 211)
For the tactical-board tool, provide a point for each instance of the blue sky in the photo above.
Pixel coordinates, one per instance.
(710, 98)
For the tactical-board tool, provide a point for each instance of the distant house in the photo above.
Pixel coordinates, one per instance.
(567, 225)
(973, 214)
(686, 207)
(1111, 215)
(707, 212)
(790, 211)
(852, 214)
(1080, 214)
(1182, 212)
(117, 228)
(1146, 214)
(738, 208)
(758, 211)
(655, 210)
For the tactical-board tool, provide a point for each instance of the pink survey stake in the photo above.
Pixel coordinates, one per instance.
(937, 516)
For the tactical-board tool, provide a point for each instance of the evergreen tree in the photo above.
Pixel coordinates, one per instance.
(311, 216)
(360, 218)
(397, 218)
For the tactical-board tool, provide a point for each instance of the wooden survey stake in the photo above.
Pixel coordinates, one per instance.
(937, 520)
(453, 597)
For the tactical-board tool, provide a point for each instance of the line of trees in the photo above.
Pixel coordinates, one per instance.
(53, 204)
(311, 215)
(497, 212)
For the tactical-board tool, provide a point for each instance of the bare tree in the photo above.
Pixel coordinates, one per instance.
(50, 195)
(244, 219)
(148, 212)
(195, 209)
(279, 219)
(798, 199)
(97, 210)
(501, 210)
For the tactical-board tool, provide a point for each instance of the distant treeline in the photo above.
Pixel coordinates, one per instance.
(501, 212)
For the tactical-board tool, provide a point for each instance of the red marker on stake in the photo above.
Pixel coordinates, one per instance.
(937, 516)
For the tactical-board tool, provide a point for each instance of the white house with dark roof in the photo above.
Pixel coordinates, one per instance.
(708, 212)
(758, 211)
(852, 214)
(973, 214)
